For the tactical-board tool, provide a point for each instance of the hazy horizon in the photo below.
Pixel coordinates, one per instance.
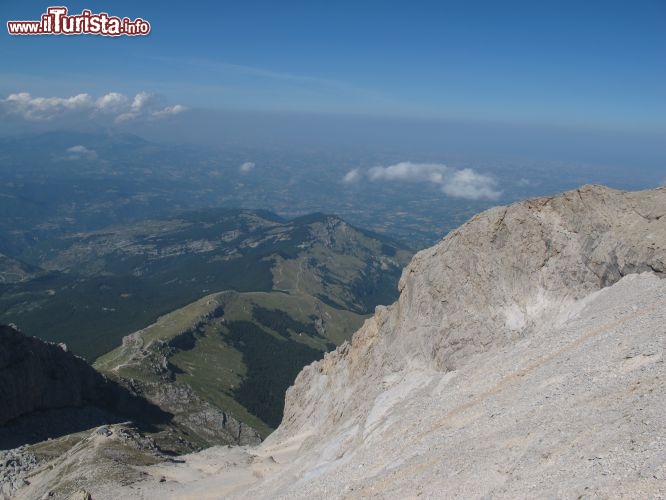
(445, 103)
(588, 70)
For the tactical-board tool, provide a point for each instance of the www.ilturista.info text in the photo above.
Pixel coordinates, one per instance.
(56, 22)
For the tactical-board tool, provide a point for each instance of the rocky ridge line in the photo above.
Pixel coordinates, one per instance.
(485, 285)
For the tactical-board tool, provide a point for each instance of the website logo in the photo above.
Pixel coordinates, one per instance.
(57, 21)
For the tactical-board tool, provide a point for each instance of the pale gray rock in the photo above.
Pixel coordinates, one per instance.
(486, 285)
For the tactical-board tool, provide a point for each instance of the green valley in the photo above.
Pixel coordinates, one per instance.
(209, 314)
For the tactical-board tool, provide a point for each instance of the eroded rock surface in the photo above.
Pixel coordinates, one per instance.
(486, 285)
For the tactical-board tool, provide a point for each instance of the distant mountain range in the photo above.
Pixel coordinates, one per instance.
(90, 289)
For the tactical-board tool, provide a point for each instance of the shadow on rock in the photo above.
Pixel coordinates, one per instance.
(47, 392)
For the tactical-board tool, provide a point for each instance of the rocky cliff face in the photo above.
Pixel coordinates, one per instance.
(486, 285)
(39, 376)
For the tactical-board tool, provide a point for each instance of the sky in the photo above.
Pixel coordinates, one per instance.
(593, 65)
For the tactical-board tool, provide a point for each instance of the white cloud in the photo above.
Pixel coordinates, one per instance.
(126, 117)
(78, 149)
(44, 108)
(409, 172)
(169, 110)
(465, 183)
(81, 153)
(145, 104)
(112, 102)
(352, 177)
(471, 185)
(142, 100)
(246, 167)
(142, 105)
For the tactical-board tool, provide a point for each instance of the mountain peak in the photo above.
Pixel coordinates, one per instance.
(508, 277)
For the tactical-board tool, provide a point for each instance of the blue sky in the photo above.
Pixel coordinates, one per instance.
(597, 64)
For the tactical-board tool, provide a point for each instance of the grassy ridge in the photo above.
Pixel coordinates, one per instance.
(244, 359)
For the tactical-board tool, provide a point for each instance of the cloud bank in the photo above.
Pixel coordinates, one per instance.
(466, 183)
(117, 106)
